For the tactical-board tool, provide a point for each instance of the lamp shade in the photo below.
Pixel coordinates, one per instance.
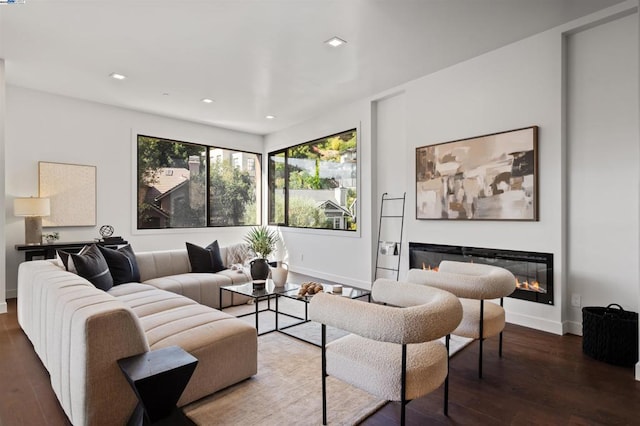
(32, 206)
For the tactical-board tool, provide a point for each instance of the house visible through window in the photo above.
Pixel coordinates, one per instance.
(186, 185)
(237, 159)
(314, 184)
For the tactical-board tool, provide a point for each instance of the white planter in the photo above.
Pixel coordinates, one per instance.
(279, 274)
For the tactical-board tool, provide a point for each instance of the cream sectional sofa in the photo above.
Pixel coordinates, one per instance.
(170, 270)
(79, 332)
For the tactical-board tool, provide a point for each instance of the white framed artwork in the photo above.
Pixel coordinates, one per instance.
(72, 191)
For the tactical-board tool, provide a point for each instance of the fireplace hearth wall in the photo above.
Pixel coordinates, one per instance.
(533, 271)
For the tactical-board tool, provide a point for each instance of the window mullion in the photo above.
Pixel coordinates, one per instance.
(207, 169)
(286, 187)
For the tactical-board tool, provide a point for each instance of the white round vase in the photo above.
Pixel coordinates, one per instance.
(279, 274)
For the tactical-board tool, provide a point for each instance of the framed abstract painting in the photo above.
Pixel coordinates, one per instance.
(490, 177)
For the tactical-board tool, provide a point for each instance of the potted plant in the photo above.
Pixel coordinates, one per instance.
(51, 237)
(262, 242)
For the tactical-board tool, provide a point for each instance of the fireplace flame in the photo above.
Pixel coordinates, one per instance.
(530, 286)
(429, 268)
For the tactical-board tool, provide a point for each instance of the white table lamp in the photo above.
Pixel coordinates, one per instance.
(32, 209)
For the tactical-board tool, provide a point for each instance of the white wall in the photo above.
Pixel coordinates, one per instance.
(603, 165)
(336, 256)
(513, 87)
(45, 127)
(390, 146)
(3, 303)
(638, 52)
(516, 86)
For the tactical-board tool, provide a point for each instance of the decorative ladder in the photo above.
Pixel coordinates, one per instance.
(390, 235)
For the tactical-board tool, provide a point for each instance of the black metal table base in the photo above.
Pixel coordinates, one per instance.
(276, 296)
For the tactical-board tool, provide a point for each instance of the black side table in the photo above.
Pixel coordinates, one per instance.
(158, 378)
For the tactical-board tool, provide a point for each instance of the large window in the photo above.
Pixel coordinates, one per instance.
(314, 184)
(175, 177)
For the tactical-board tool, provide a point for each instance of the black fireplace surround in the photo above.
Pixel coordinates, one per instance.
(533, 271)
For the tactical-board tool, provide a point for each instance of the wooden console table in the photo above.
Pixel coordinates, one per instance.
(48, 251)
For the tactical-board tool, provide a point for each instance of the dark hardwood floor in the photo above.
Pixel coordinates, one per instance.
(542, 379)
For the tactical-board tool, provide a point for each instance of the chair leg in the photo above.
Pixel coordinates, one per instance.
(403, 385)
(481, 338)
(324, 374)
(446, 380)
(500, 347)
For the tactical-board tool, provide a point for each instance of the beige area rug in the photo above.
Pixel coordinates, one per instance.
(287, 390)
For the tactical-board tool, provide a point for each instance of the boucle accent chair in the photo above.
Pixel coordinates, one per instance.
(393, 352)
(474, 284)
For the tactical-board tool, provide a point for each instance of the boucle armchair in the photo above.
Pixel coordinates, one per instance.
(474, 284)
(393, 352)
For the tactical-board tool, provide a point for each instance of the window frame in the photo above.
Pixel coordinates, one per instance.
(270, 187)
(207, 165)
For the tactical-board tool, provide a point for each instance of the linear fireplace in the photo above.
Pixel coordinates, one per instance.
(533, 271)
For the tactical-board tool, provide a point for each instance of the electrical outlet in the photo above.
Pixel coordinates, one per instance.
(576, 301)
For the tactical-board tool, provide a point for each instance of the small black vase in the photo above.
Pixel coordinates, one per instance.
(259, 269)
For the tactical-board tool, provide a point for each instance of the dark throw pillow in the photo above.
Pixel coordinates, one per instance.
(67, 261)
(92, 266)
(206, 259)
(122, 264)
(64, 258)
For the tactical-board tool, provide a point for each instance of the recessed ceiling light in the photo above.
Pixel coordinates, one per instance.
(335, 41)
(117, 76)
(207, 100)
(270, 117)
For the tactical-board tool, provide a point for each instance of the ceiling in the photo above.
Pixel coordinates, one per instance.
(254, 57)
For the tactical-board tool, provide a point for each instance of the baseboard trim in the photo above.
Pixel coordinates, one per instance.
(12, 293)
(535, 323)
(573, 327)
(337, 279)
(638, 371)
(3, 307)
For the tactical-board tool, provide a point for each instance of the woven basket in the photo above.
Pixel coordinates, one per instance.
(610, 334)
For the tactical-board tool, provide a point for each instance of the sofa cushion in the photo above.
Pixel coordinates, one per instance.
(170, 270)
(92, 266)
(215, 338)
(162, 263)
(203, 288)
(122, 264)
(206, 259)
(146, 299)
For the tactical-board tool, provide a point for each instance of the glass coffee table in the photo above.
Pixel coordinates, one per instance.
(290, 291)
(270, 293)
